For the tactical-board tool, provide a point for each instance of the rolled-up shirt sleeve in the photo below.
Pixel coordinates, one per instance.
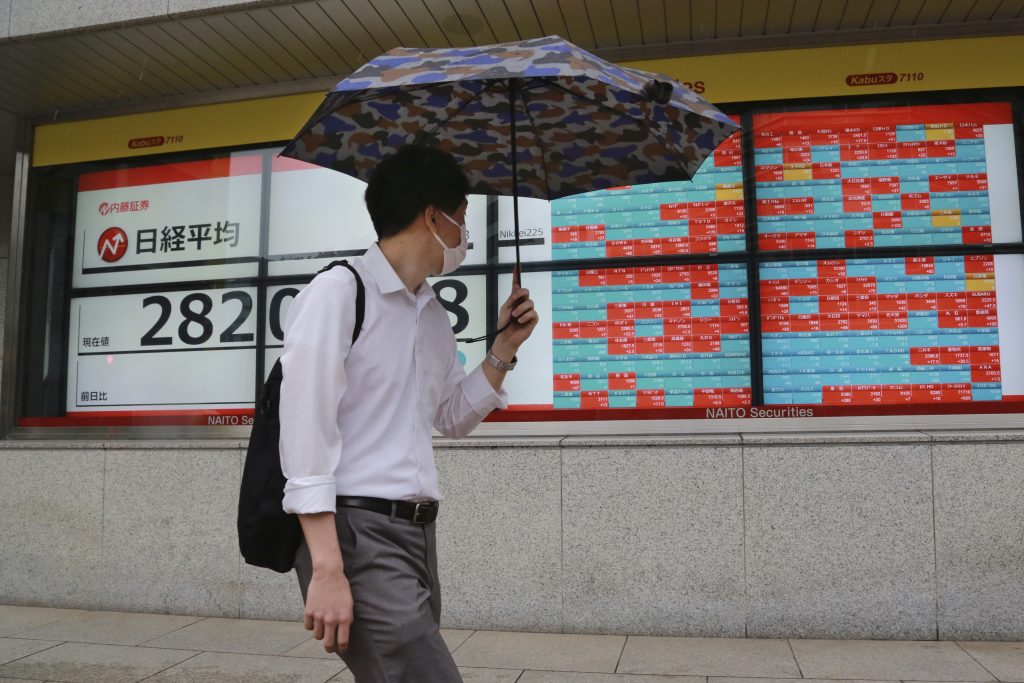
(466, 400)
(317, 339)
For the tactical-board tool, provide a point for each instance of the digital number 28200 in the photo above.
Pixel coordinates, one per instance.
(195, 310)
(196, 327)
(458, 293)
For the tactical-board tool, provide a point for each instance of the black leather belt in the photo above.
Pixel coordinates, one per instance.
(417, 513)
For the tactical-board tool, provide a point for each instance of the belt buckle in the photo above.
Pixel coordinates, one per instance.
(427, 509)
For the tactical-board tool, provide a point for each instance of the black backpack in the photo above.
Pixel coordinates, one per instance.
(267, 535)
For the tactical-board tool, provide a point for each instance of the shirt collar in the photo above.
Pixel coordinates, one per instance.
(381, 271)
(387, 279)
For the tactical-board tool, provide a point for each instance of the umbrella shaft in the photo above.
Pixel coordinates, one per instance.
(512, 87)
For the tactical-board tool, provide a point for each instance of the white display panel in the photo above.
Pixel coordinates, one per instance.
(534, 230)
(476, 222)
(164, 350)
(1003, 187)
(530, 384)
(168, 223)
(1009, 277)
(314, 211)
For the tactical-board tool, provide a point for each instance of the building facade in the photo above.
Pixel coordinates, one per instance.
(783, 399)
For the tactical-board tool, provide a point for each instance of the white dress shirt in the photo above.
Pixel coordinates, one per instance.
(356, 419)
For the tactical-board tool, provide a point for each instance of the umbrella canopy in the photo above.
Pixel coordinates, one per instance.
(538, 118)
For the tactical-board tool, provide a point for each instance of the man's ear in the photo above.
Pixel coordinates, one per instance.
(431, 217)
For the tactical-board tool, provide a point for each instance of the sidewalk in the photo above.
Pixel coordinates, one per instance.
(79, 646)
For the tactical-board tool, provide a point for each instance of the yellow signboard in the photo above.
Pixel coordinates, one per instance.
(849, 70)
(174, 130)
(742, 77)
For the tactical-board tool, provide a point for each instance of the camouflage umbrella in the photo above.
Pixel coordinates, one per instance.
(538, 118)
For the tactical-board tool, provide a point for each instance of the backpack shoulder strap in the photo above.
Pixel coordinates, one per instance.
(360, 294)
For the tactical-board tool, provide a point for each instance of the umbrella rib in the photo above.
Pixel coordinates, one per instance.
(369, 94)
(540, 140)
(440, 124)
(641, 124)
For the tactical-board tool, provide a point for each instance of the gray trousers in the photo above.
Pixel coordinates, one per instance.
(391, 566)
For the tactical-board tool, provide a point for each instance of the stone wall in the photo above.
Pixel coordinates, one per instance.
(911, 535)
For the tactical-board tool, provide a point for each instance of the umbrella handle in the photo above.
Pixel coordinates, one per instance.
(484, 337)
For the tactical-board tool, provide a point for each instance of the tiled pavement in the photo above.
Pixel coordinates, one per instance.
(78, 646)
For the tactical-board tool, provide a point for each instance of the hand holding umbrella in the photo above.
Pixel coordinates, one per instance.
(517, 317)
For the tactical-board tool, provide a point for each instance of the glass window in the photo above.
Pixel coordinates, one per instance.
(850, 257)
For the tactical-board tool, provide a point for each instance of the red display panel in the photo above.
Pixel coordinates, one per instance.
(892, 176)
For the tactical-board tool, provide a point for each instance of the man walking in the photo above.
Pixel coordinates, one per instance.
(356, 423)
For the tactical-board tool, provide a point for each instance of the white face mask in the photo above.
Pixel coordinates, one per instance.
(453, 256)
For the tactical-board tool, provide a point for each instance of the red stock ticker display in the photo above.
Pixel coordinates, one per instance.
(881, 331)
(893, 176)
(651, 337)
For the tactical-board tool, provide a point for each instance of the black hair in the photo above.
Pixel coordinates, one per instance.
(410, 180)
